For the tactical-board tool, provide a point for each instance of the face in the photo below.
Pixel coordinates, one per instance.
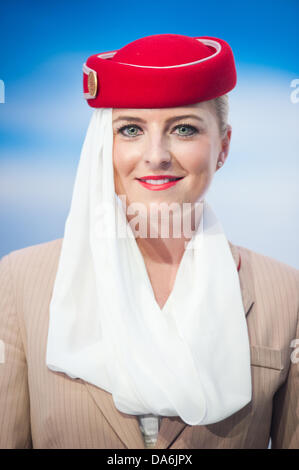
(182, 142)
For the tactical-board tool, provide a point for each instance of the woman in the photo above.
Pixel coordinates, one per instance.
(149, 330)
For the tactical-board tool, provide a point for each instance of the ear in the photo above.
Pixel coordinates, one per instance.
(225, 143)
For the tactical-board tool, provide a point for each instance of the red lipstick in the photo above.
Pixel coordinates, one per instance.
(145, 181)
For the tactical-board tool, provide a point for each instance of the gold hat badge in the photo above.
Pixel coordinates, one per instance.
(92, 83)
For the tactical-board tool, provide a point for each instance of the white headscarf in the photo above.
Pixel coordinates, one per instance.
(189, 359)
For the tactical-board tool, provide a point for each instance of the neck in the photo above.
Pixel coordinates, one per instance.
(170, 249)
(162, 250)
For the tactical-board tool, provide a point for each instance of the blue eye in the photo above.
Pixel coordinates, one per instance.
(129, 127)
(132, 130)
(186, 128)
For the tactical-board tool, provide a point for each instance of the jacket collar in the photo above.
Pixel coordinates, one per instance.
(126, 426)
(245, 275)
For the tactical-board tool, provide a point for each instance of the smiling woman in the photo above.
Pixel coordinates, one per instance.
(149, 330)
(177, 148)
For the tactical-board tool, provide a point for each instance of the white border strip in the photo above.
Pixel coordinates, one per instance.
(87, 69)
(87, 96)
(207, 42)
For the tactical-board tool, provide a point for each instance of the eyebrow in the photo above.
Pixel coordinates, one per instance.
(168, 121)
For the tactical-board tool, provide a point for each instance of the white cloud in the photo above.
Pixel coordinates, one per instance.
(35, 185)
(49, 101)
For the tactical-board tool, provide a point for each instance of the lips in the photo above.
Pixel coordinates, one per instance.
(157, 177)
(159, 182)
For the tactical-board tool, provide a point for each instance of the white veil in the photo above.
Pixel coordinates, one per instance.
(191, 358)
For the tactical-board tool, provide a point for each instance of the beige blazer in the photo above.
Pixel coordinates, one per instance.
(40, 408)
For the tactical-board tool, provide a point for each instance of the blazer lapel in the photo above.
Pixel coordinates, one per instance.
(124, 425)
(127, 426)
(245, 276)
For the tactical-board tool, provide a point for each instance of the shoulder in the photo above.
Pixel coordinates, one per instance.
(270, 280)
(28, 275)
(34, 252)
(265, 266)
(32, 261)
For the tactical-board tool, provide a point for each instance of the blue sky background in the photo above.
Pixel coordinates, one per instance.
(45, 117)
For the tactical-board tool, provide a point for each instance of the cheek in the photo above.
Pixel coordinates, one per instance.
(124, 159)
(196, 158)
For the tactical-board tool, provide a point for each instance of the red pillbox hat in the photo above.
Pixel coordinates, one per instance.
(160, 71)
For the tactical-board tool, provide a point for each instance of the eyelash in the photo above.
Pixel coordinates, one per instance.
(195, 131)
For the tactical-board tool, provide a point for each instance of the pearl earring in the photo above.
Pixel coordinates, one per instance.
(219, 163)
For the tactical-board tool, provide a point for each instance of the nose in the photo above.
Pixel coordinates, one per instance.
(156, 154)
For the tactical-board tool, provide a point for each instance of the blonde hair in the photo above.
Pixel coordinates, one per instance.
(221, 106)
